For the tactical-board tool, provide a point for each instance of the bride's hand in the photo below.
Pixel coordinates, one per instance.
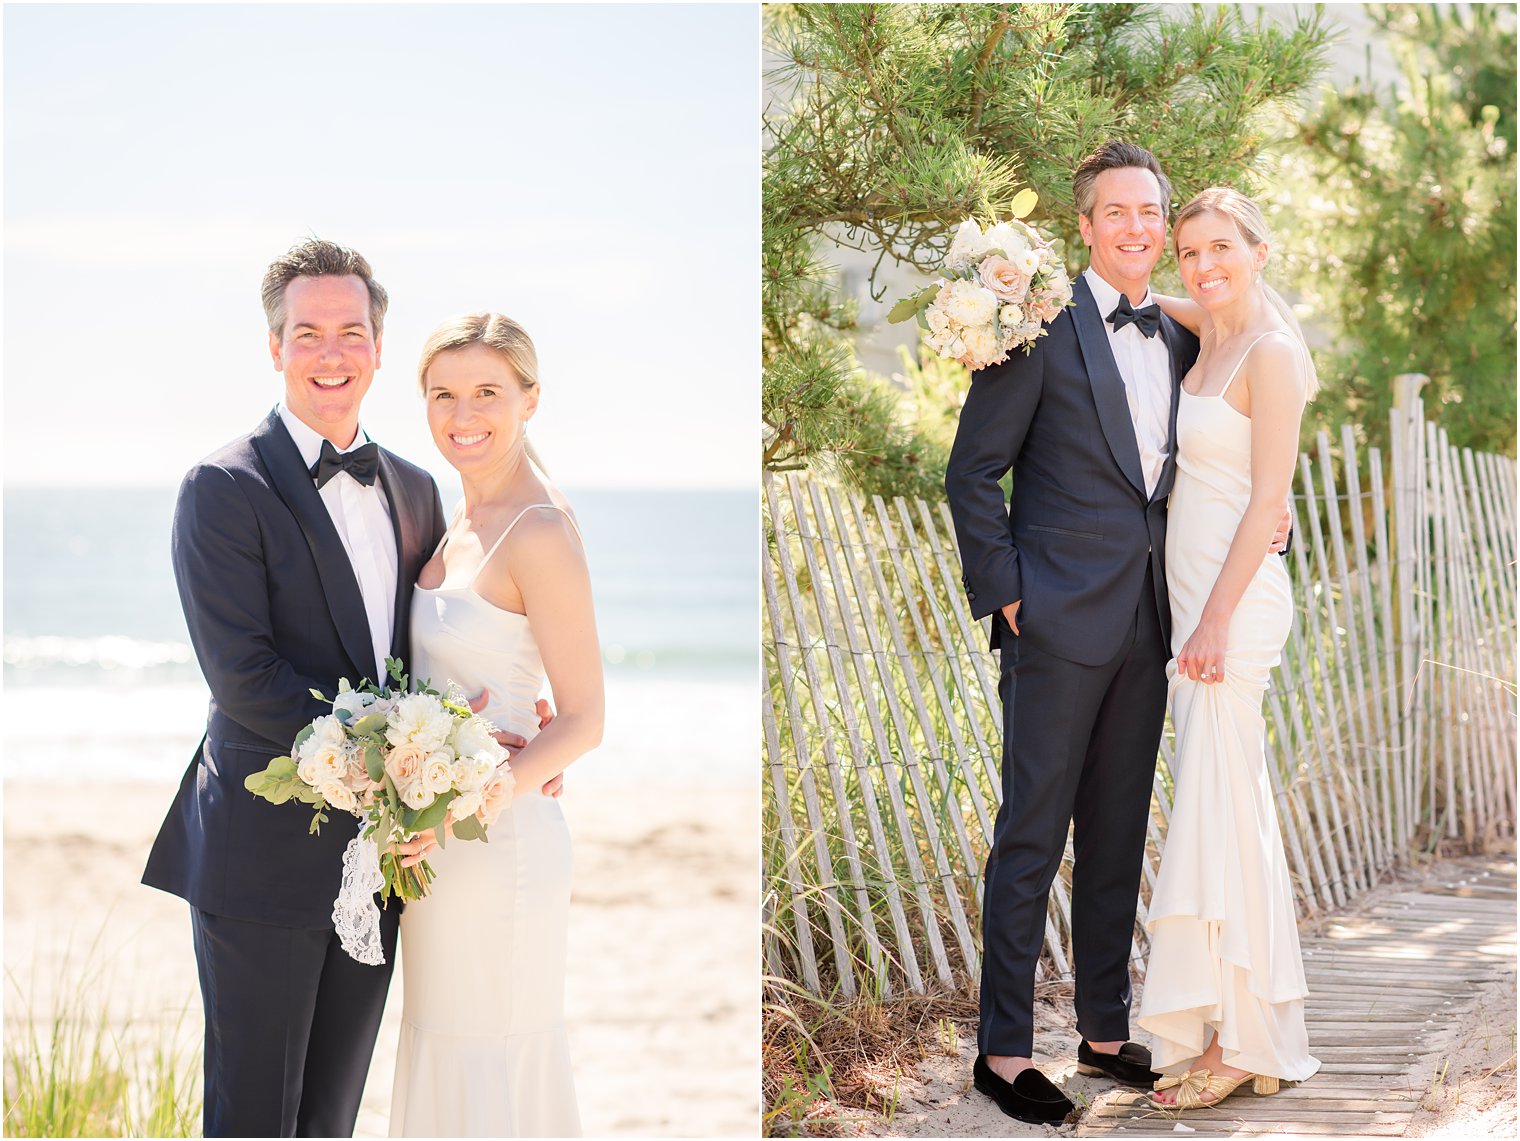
(1202, 657)
(415, 850)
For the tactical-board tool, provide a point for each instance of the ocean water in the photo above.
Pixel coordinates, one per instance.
(101, 682)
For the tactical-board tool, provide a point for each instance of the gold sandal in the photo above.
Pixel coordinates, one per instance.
(1194, 1084)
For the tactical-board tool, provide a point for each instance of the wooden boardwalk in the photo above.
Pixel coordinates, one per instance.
(1389, 988)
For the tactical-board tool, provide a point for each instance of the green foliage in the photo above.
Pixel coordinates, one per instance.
(278, 783)
(1399, 223)
(74, 1072)
(889, 124)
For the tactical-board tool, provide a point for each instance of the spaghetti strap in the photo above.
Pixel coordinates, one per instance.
(502, 538)
(1244, 355)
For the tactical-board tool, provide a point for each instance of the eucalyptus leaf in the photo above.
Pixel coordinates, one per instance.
(371, 723)
(301, 738)
(374, 766)
(1024, 203)
(905, 309)
(432, 815)
(470, 828)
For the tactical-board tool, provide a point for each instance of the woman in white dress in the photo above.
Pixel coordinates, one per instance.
(1224, 990)
(505, 601)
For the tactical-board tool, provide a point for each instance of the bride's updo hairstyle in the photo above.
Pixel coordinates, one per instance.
(1232, 204)
(501, 335)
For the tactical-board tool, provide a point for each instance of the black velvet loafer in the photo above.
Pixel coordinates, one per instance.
(1131, 1066)
(1031, 1097)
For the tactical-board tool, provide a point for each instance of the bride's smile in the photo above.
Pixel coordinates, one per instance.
(478, 409)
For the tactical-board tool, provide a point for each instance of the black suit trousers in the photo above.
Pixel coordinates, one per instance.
(1079, 748)
(291, 1023)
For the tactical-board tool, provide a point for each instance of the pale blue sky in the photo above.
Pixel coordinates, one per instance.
(592, 171)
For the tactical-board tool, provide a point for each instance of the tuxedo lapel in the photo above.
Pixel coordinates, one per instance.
(1107, 385)
(1171, 333)
(408, 539)
(294, 483)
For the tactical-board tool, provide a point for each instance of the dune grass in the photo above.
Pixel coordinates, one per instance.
(74, 1067)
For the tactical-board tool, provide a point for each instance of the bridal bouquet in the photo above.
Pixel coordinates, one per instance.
(996, 291)
(402, 762)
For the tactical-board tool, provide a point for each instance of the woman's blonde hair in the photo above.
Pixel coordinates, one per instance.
(502, 335)
(1247, 216)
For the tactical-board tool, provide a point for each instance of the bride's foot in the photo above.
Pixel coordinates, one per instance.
(1212, 1061)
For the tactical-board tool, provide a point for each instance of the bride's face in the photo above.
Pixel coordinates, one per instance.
(477, 409)
(1218, 265)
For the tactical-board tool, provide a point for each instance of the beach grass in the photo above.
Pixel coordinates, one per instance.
(74, 1067)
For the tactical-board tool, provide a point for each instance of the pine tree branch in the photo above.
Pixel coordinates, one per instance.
(979, 100)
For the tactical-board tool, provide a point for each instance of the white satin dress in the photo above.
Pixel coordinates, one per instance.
(483, 1050)
(1223, 930)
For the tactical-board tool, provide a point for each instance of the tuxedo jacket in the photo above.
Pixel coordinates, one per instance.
(1074, 539)
(274, 611)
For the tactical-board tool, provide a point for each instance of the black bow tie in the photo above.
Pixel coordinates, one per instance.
(1147, 318)
(362, 463)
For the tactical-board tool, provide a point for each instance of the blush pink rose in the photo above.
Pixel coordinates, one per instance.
(1006, 281)
(404, 763)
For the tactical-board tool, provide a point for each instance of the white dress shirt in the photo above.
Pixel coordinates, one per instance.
(362, 518)
(1145, 364)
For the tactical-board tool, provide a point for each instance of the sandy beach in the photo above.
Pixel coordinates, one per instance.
(663, 990)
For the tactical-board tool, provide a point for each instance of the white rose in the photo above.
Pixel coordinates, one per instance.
(473, 771)
(339, 797)
(437, 774)
(467, 803)
(326, 732)
(967, 303)
(416, 796)
(1011, 315)
(967, 245)
(1027, 261)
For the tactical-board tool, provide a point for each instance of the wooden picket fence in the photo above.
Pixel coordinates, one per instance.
(1391, 720)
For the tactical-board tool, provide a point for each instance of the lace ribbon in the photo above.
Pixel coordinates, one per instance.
(355, 914)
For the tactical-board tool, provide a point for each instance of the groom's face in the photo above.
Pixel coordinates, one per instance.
(328, 352)
(1126, 232)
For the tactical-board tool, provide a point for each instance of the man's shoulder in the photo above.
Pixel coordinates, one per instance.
(233, 457)
(408, 471)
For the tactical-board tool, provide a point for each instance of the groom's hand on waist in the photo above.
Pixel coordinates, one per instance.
(512, 742)
(1284, 533)
(1011, 614)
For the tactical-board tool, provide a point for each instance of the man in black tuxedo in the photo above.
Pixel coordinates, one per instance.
(1071, 571)
(295, 550)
